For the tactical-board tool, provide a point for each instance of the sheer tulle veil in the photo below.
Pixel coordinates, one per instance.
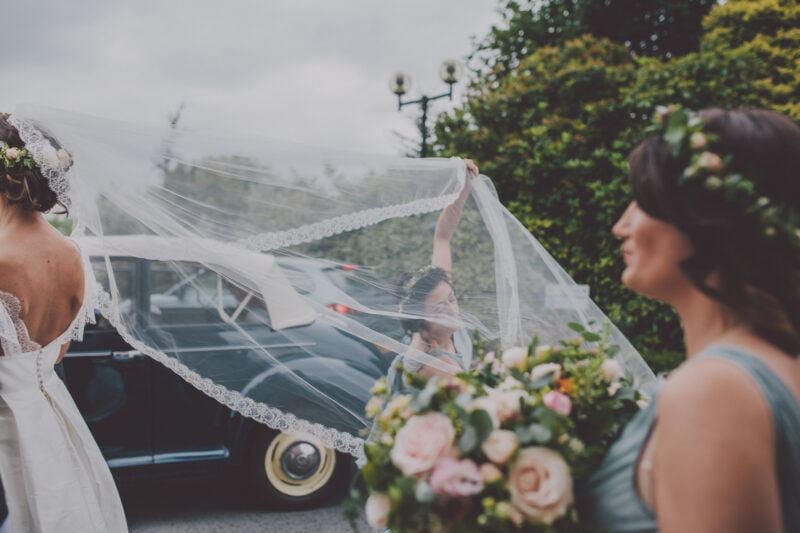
(281, 256)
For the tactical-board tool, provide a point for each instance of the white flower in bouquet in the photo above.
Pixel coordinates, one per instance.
(500, 445)
(488, 404)
(421, 442)
(540, 484)
(515, 357)
(540, 371)
(395, 406)
(508, 403)
(373, 407)
(377, 510)
(543, 350)
(614, 387)
(490, 473)
(510, 384)
(611, 370)
(458, 479)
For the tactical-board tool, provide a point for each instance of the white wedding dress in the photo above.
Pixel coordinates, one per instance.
(54, 475)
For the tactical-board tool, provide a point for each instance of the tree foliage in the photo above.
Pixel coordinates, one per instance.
(555, 131)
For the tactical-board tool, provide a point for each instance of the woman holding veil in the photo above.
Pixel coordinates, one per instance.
(429, 306)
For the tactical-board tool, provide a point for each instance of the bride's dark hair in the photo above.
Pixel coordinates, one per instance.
(413, 294)
(21, 186)
(756, 276)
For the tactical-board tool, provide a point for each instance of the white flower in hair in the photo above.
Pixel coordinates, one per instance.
(49, 157)
(63, 158)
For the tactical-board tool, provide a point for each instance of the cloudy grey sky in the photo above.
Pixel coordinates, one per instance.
(314, 71)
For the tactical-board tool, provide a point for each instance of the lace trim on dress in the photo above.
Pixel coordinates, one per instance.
(14, 308)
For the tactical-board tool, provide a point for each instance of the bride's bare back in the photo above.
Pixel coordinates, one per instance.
(43, 270)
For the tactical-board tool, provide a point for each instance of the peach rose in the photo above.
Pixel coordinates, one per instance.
(540, 484)
(421, 442)
(710, 161)
(500, 445)
(508, 403)
(12, 154)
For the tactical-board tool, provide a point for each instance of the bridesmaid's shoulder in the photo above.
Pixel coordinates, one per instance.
(712, 389)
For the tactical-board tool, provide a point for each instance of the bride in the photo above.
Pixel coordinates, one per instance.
(54, 476)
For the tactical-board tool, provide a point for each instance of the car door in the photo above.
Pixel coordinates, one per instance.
(111, 383)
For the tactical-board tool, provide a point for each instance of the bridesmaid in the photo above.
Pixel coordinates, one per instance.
(713, 232)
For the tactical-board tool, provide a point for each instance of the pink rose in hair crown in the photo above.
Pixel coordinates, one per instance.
(421, 442)
(558, 402)
(455, 478)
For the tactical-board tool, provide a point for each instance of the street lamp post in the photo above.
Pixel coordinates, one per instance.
(450, 72)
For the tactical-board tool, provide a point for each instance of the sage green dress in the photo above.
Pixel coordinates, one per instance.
(611, 496)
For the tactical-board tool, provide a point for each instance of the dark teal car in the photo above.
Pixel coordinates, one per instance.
(149, 422)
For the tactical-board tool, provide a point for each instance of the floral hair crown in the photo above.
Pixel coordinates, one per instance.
(408, 286)
(39, 152)
(682, 130)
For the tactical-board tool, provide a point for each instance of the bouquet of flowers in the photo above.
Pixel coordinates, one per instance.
(501, 447)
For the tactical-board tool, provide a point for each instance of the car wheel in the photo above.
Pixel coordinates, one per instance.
(296, 472)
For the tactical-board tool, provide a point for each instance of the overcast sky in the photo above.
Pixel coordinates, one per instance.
(313, 71)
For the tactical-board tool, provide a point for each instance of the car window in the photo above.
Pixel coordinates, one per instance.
(358, 283)
(189, 293)
(301, 281)
(124, 279)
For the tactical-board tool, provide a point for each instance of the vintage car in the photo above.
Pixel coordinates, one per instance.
(149, 422)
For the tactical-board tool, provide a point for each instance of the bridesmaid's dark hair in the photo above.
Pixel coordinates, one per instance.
(25, 187)
(755, 276)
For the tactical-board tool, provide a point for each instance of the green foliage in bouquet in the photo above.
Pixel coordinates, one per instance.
(503, 447)
(555, 129)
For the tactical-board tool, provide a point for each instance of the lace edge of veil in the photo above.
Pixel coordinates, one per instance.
(247, 407)
(36, 143)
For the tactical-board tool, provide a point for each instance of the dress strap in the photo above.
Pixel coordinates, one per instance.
(786, 419)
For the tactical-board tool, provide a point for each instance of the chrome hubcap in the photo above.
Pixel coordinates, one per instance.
(300, 461)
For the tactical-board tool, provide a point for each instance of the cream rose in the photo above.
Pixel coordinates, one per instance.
(377, 510)
(611, 370)
(540, 371)
(12, 154)
(508, 403)
(540, 484)
(515, 357)
(490, 473)
(421, 442)
(63, 158)
(500, 445)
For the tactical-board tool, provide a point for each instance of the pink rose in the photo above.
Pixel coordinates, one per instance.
(698, 140)
(489, 357)
(500, 445)
(377, 510)
(540, 484)
(710, 161)
(421, 442)
(455, 478)
(558, 402)
(12, 154)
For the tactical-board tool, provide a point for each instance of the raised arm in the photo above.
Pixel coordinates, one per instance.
(448, 222)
